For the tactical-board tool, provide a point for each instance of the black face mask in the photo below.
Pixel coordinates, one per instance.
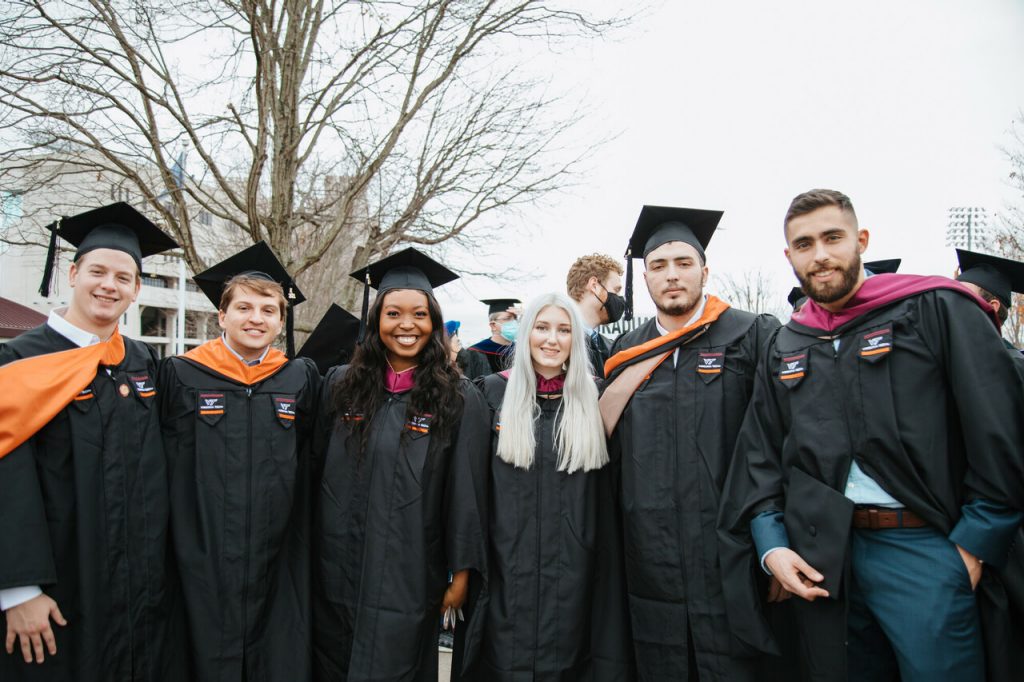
(614, 304)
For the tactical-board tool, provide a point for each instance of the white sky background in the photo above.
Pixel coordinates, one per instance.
(741, 105)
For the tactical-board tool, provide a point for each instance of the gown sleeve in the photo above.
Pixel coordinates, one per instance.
(465, 515)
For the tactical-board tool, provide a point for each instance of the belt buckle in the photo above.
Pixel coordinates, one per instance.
(873, 519)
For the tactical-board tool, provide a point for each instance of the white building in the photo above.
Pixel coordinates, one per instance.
(25, 211)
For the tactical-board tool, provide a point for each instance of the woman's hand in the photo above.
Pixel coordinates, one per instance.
(455, 595)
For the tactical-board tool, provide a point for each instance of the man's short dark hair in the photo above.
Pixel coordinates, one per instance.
(1004, 310)
(814, 199)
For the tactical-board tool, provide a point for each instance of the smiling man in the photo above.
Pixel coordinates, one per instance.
(879, 466)
(83, 485)
(675, 395)
(236, 416)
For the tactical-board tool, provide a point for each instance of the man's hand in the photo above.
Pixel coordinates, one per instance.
(455, 595)
(776, 592)
(973, 565)
(795, 574)
(30, 622)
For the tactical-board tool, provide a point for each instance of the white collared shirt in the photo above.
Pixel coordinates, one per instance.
(79, 337)
(249, 363)
(693, 318)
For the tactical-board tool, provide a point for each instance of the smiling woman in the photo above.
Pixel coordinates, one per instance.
(402, 500)
(405, 327)
(557, 610)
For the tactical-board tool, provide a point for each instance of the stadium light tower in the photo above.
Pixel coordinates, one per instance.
(967, 228)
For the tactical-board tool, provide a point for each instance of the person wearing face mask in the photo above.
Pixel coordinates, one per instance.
(494, 353)
(594, 282)
(673, 402)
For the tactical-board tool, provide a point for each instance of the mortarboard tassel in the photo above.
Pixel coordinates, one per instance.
(289, 333)
(628, 313)
(51, 257)
(366, 307)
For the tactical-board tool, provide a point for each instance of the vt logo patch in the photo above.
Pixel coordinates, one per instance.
(143, 385)
(211, 407)
(709, 365)
(284, 407)
(419, 424)
(876, 344)
(793, 369)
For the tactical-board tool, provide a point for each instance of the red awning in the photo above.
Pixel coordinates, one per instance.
(16, 318)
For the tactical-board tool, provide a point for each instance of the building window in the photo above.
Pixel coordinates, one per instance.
(154, 281)
(153, 322)
(204, 218)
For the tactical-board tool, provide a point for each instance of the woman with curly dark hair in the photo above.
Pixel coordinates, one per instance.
(403, 449)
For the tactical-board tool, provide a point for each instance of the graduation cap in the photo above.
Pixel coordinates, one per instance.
(796, 294)
(116, 226)
(658, 225)
(499, 305)
(883, 267)
(998, 276)
(407, 269)
(256, 261)
(333, 339)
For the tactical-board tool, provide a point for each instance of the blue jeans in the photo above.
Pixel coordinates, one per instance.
(912, 612)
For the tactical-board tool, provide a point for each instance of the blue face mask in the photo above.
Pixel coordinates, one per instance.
(509, 330)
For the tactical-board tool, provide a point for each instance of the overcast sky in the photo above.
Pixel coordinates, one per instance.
(741, 105)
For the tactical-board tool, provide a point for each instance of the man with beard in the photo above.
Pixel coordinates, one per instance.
(595, 283)
(879, 466)
(673, 402)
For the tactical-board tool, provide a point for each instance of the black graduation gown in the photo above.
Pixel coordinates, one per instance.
(240, 511)
(389, 526)
(676, 439)
(936, 422)
(556, 609)
(83, 514)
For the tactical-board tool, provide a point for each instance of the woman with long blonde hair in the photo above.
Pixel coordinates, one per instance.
(555, 610)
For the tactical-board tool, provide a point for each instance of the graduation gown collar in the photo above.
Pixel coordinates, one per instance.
(219, 359)
(490, 347)
(877, 292)
(43, 385)
(713, 309)
(399, 382)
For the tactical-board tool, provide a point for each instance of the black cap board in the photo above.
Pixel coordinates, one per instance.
(115, 226)
(658, 225)
(333, 340)
(883, 267)
(499, 305)
(998, 276)
(257, 260)
(796, 295)
(407, 269)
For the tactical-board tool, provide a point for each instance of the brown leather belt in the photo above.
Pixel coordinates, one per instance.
(876, 518)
